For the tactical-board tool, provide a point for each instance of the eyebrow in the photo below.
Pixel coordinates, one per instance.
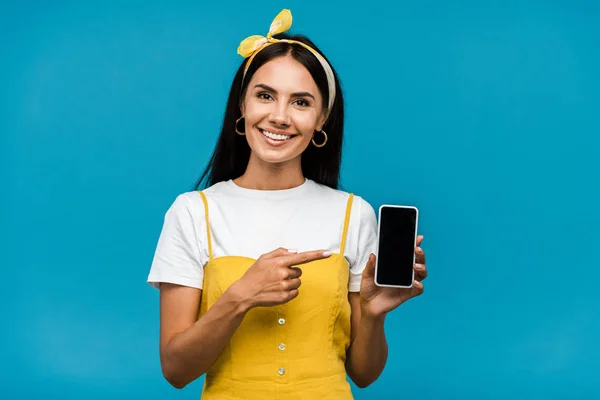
(297, 94)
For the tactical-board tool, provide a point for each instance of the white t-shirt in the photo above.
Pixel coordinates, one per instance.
(247, 222)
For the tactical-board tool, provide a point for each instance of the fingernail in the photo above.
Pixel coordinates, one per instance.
(292, 250)
(419, 250)
(326, 253)
(418, 266)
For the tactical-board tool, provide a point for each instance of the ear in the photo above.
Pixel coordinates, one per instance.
(320, 122)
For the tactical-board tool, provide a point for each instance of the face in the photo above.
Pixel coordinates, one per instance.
(282, 109)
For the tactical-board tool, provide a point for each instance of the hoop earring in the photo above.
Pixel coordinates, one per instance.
(236, 127)
(321, 144)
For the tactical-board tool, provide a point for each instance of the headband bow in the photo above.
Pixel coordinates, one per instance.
(281, 23)
(252, 45)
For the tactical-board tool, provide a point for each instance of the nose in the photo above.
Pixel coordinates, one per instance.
(279, 115)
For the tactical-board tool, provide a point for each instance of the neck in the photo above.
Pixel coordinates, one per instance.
(260, 175)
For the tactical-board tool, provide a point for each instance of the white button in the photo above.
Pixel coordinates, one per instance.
(281, 321)
(281, 371)
(281, 346)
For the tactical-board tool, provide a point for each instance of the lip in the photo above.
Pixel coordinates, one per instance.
(276, 143)
(277, 132)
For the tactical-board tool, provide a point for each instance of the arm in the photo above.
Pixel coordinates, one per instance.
(189, 347)
(367, 354)
(368, 350)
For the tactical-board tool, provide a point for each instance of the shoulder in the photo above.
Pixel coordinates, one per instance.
(186, 203)
(363, 213)
(191, 201)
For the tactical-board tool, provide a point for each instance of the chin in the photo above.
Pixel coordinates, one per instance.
(277, 154)
(274, 157)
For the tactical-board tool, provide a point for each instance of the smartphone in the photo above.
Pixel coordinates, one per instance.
(396, 242)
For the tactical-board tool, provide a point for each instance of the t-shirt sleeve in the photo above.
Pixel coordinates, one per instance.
(178, 256)
(366, 242)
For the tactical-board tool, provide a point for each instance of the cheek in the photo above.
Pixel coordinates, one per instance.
(305, 122)
(255, 112)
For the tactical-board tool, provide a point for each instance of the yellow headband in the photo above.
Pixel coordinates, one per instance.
(252, 45)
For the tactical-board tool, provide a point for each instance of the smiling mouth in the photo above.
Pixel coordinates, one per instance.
(276, 136)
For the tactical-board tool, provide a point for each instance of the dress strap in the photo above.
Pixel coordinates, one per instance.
(346, 223)
(208, 235)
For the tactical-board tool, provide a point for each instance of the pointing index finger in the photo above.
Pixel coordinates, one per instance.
(305, 257)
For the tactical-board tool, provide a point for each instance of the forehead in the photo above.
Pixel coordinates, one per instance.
(286, 75)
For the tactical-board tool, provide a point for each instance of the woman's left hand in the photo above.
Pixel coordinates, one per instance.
(376, 300)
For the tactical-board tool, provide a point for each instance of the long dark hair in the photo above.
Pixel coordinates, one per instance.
(232, 153)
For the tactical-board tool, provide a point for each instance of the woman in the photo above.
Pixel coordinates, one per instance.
(266, 277)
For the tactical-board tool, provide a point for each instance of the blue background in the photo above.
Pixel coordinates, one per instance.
(483, 114)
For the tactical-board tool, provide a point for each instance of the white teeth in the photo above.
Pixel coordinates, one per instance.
(275, 136)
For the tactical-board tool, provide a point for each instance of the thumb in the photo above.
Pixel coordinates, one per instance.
(369, 271)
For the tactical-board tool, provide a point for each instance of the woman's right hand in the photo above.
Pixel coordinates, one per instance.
(274, 278)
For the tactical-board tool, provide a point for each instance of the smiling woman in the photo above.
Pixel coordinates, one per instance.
(266, 275)
(286, 88)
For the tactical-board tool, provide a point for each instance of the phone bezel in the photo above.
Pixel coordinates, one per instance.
(378, 241)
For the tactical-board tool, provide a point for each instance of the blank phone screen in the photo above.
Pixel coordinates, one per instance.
(395, 258)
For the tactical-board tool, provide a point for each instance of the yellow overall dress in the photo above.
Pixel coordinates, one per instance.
(296, 350)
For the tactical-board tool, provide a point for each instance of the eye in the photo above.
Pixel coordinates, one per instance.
(264, 96)
(302, 103)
